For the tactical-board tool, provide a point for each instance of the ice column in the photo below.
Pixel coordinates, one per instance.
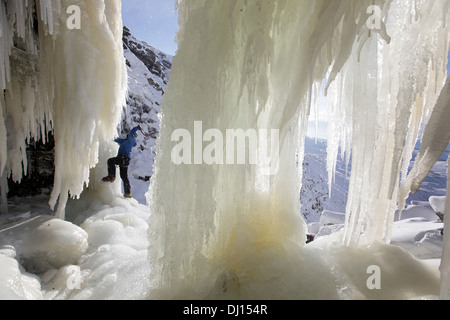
(90, 86)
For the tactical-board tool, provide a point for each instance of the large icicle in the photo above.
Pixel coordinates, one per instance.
(89, 92)
(63, 79)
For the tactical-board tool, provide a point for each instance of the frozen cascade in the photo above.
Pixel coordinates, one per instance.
(57, 77)
(230, 231)
(235, 231)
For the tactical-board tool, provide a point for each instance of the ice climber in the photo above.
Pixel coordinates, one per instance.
(123, 161)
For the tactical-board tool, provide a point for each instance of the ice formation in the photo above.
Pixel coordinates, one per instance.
(259, 65)
(60, 76)
(47, 243)
(234, 231)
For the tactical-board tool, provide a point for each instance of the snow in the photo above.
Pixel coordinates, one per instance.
(145, 91)
(420, 236)
(330, 217)
(43, 242)
(315, 195)
(438, 204)
(103, 257)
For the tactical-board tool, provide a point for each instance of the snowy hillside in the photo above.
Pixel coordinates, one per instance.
(148, 74)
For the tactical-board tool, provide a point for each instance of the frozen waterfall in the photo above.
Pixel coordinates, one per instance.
(227, 230)
(224, 224)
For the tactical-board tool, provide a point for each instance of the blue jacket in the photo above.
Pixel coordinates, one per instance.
(126, 145)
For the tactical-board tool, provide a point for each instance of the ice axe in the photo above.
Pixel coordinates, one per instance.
(145, 135)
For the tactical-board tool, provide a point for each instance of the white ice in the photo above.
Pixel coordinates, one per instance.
(230, 232)
(258, 65)
(59, 81)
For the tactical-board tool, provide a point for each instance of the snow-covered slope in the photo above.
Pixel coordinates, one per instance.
(148, 74)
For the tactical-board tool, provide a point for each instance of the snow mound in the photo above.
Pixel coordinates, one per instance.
(115, 265)
(331, 217)
(101, 254)
(415, 211)
(417, 230)
(438, 204)
(420, 237)
(44, 243)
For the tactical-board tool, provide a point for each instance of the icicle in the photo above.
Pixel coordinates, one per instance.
(3, 193)
(5, 47)
(47, 14)
(434, 143)
(90, 93)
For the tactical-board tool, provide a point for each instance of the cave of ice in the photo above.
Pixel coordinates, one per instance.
(230, 231)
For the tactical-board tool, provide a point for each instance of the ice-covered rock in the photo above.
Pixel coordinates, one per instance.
(15, 283)
(44, 243)
(438, 205)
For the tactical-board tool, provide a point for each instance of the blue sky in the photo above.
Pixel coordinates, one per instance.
(153, 21)
(448, 65)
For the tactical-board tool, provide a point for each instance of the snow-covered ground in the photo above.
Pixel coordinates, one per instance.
(100, 254)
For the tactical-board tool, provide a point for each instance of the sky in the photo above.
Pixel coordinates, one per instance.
(448, 65)
(153, 21)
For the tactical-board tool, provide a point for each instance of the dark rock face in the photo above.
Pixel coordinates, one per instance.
(40, 171)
